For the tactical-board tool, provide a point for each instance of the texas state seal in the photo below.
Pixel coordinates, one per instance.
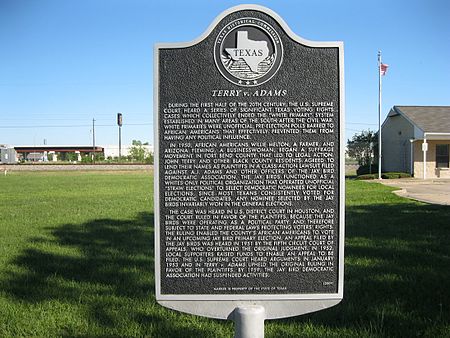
(248, 52)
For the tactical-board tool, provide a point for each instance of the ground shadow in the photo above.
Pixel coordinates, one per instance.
(100, 251)
(396, 279)
(106, 268)
(397, 272)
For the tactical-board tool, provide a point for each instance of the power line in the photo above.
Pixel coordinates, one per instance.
(367, 124)
(358, 130)
(74, 126)
(61, 117)
(37, 113)
(125, 124)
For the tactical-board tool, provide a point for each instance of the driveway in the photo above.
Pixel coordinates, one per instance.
(434, 191)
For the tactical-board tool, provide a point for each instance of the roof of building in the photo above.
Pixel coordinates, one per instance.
(431, 119)
(42, 148)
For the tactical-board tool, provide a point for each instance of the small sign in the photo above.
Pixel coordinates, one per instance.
(424, 146)
(249, 169)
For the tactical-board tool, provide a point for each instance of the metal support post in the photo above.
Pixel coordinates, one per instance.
(249, 321)
(120, 142)
(93, 141)
(379, 115)
(424, 149)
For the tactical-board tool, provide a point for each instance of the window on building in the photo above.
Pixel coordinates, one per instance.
(442, 158)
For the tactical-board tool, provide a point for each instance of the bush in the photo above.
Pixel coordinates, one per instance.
(86, 159)
(385, 176)
(367, 177)
(99, 157)
(364, 169)
(149, 159)
(71, 157)
(395, 175)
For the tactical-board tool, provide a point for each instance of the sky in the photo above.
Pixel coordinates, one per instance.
(65, 63)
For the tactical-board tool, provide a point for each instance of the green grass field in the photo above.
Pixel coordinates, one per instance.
(76, 259)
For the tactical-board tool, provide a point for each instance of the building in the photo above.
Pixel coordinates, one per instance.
(7, 154)
(416, 140)
(112, 151)
(44, 153)
(54, 153)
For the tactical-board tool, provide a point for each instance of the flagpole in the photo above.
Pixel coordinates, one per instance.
(379, 115)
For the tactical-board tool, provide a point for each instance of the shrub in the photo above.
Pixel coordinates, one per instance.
(149, 159)
(395, 175)
(365, 169)
(367, 177)
(385, 176)
(86, 159)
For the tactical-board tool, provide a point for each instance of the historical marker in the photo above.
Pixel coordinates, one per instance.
(249, 169)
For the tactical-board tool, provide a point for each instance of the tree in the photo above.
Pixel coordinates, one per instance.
(363, 147)
(138, 152)
(71, 157)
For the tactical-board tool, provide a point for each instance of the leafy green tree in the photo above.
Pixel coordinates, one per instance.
(138, 152)
(71, 157)
(62, 156)
(149, 159)
(363, 147)
(86, 158)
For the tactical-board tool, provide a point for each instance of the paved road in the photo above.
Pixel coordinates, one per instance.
(435, 191)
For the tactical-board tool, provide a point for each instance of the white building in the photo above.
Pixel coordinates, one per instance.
(416, 139)
(112, 150)
(8, 154)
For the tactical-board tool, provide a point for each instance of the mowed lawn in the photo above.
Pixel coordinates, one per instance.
(76, 259)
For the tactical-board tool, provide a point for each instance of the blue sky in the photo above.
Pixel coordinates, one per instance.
(63, 63)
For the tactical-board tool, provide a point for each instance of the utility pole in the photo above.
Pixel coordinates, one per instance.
(382, 69)
(379, 115)
(93, 141)
(119, 123)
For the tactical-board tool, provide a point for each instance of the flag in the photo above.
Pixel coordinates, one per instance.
(383, 69)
